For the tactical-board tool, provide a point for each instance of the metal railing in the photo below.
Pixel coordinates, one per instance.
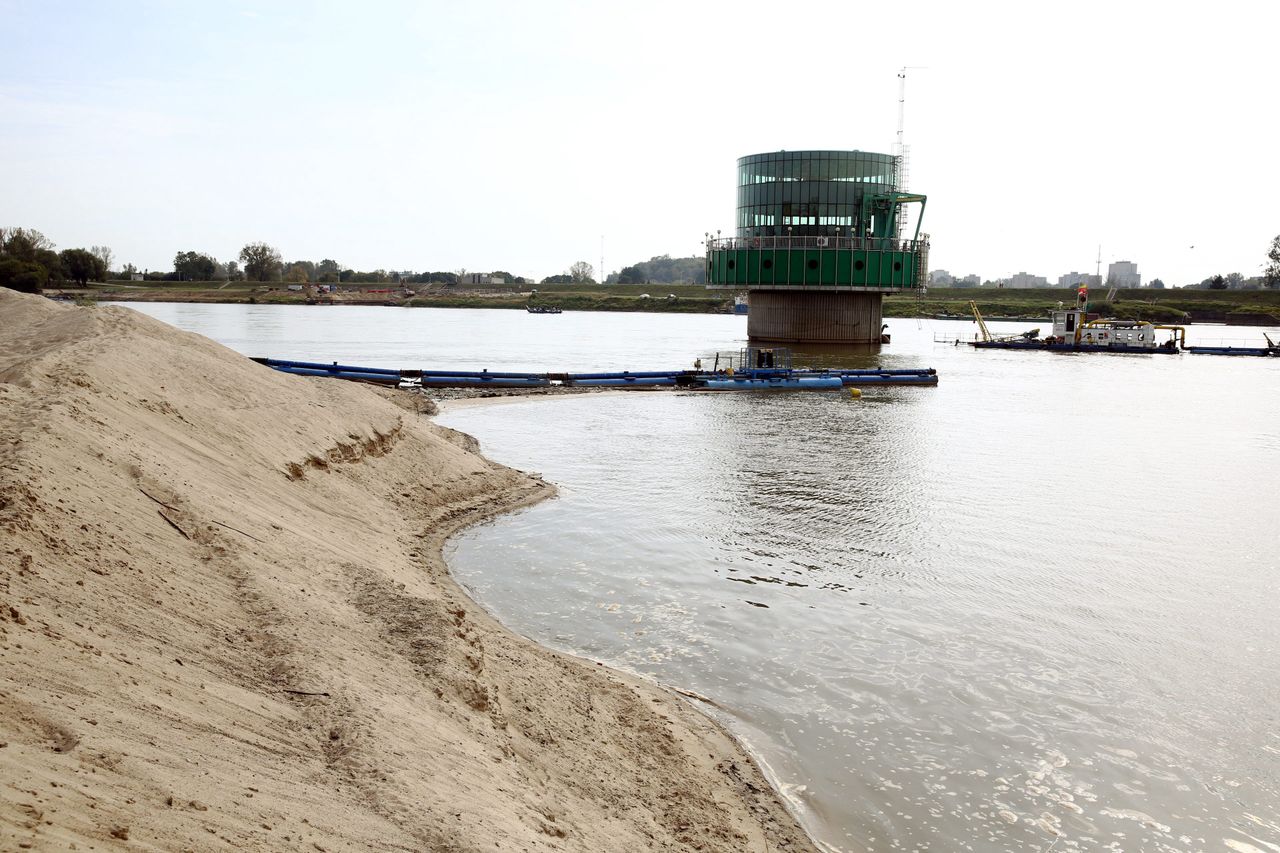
(881, 244)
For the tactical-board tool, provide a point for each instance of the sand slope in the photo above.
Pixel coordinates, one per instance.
(225, 624)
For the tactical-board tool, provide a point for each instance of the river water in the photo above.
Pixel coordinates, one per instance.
(1035, 607)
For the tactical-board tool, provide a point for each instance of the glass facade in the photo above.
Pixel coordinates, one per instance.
(813, 193)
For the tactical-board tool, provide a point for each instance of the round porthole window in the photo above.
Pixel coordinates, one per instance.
(897, 266)
(859, 265)
(767, 263)
(813, 264)
(732, 263)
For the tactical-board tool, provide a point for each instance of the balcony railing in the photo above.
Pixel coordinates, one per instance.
(880, 244)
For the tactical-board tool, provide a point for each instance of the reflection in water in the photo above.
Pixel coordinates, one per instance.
(942, 626)
(858, 356)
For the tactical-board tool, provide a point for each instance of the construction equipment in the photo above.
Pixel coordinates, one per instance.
(987, 337)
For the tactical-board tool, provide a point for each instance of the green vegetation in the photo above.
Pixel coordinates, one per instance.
(1242, 307)
(663, 269)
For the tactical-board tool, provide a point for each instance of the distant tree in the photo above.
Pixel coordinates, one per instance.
(1271, 273)
(507, 277)
(328, 271)
(23, 243)
(23, 276)
(582, 273)
(460, 275)
(563, 278)
(436, 278)
(1234, 281)
(664, 269)
(631, 275)
(128, 271)
(52, 262)
(82, 266)
(261, 262)
(104, 254)
(194, 266)
(1217, 282)
(1157, 284)
(301, 271)
(375, 277)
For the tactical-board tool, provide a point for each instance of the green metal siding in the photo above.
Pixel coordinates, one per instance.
(811, 268)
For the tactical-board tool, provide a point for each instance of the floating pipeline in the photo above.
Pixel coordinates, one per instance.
(745, 380)
(770, 383)
(1254, 351)
(377, 375)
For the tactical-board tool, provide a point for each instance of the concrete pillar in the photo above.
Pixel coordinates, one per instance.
(805, 316)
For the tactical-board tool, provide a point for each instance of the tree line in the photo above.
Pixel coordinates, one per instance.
(28, 261)
(663, 269)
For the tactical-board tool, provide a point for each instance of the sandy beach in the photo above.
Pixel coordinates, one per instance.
(225, 624)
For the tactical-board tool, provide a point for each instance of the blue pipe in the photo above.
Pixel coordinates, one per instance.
(527, 381)
(623, 383)
(355, 375)
(478, 374)
(330, 368)
(626, 374)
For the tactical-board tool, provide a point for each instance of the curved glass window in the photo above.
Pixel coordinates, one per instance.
(811, 193)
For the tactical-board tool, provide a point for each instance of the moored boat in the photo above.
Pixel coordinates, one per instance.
(1076, 330)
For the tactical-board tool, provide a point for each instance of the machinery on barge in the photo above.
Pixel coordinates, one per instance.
(1076, 330)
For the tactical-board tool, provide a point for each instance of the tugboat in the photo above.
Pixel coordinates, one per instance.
(1075, 330)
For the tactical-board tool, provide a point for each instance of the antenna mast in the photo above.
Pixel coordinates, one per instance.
(901, 153)
(902, 104)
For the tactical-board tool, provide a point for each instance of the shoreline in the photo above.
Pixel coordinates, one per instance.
(1182, 306)
(227, 616)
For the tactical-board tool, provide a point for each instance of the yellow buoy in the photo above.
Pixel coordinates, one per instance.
(855, 393)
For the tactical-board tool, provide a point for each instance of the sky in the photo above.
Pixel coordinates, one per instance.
(523, 136)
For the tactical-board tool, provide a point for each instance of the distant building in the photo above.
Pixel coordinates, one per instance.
(942, 278)
(1075, 279)
(1123, 274)
(484, 278)
(1025, 280)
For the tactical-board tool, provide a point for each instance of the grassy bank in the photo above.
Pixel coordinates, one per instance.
(1241, 307)
(678, 299)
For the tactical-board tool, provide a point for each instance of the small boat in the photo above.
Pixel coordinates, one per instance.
(740, 304)
(543, 309)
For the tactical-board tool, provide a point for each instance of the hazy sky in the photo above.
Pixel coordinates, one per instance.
(513, 135)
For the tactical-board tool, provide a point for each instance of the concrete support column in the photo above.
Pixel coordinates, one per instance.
(790, 316)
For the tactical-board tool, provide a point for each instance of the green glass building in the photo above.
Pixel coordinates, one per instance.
(820, 239)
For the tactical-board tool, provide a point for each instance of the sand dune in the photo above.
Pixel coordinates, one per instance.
(225, 624)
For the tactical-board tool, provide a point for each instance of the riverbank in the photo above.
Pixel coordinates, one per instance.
(225, 620)
(1236, 307)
